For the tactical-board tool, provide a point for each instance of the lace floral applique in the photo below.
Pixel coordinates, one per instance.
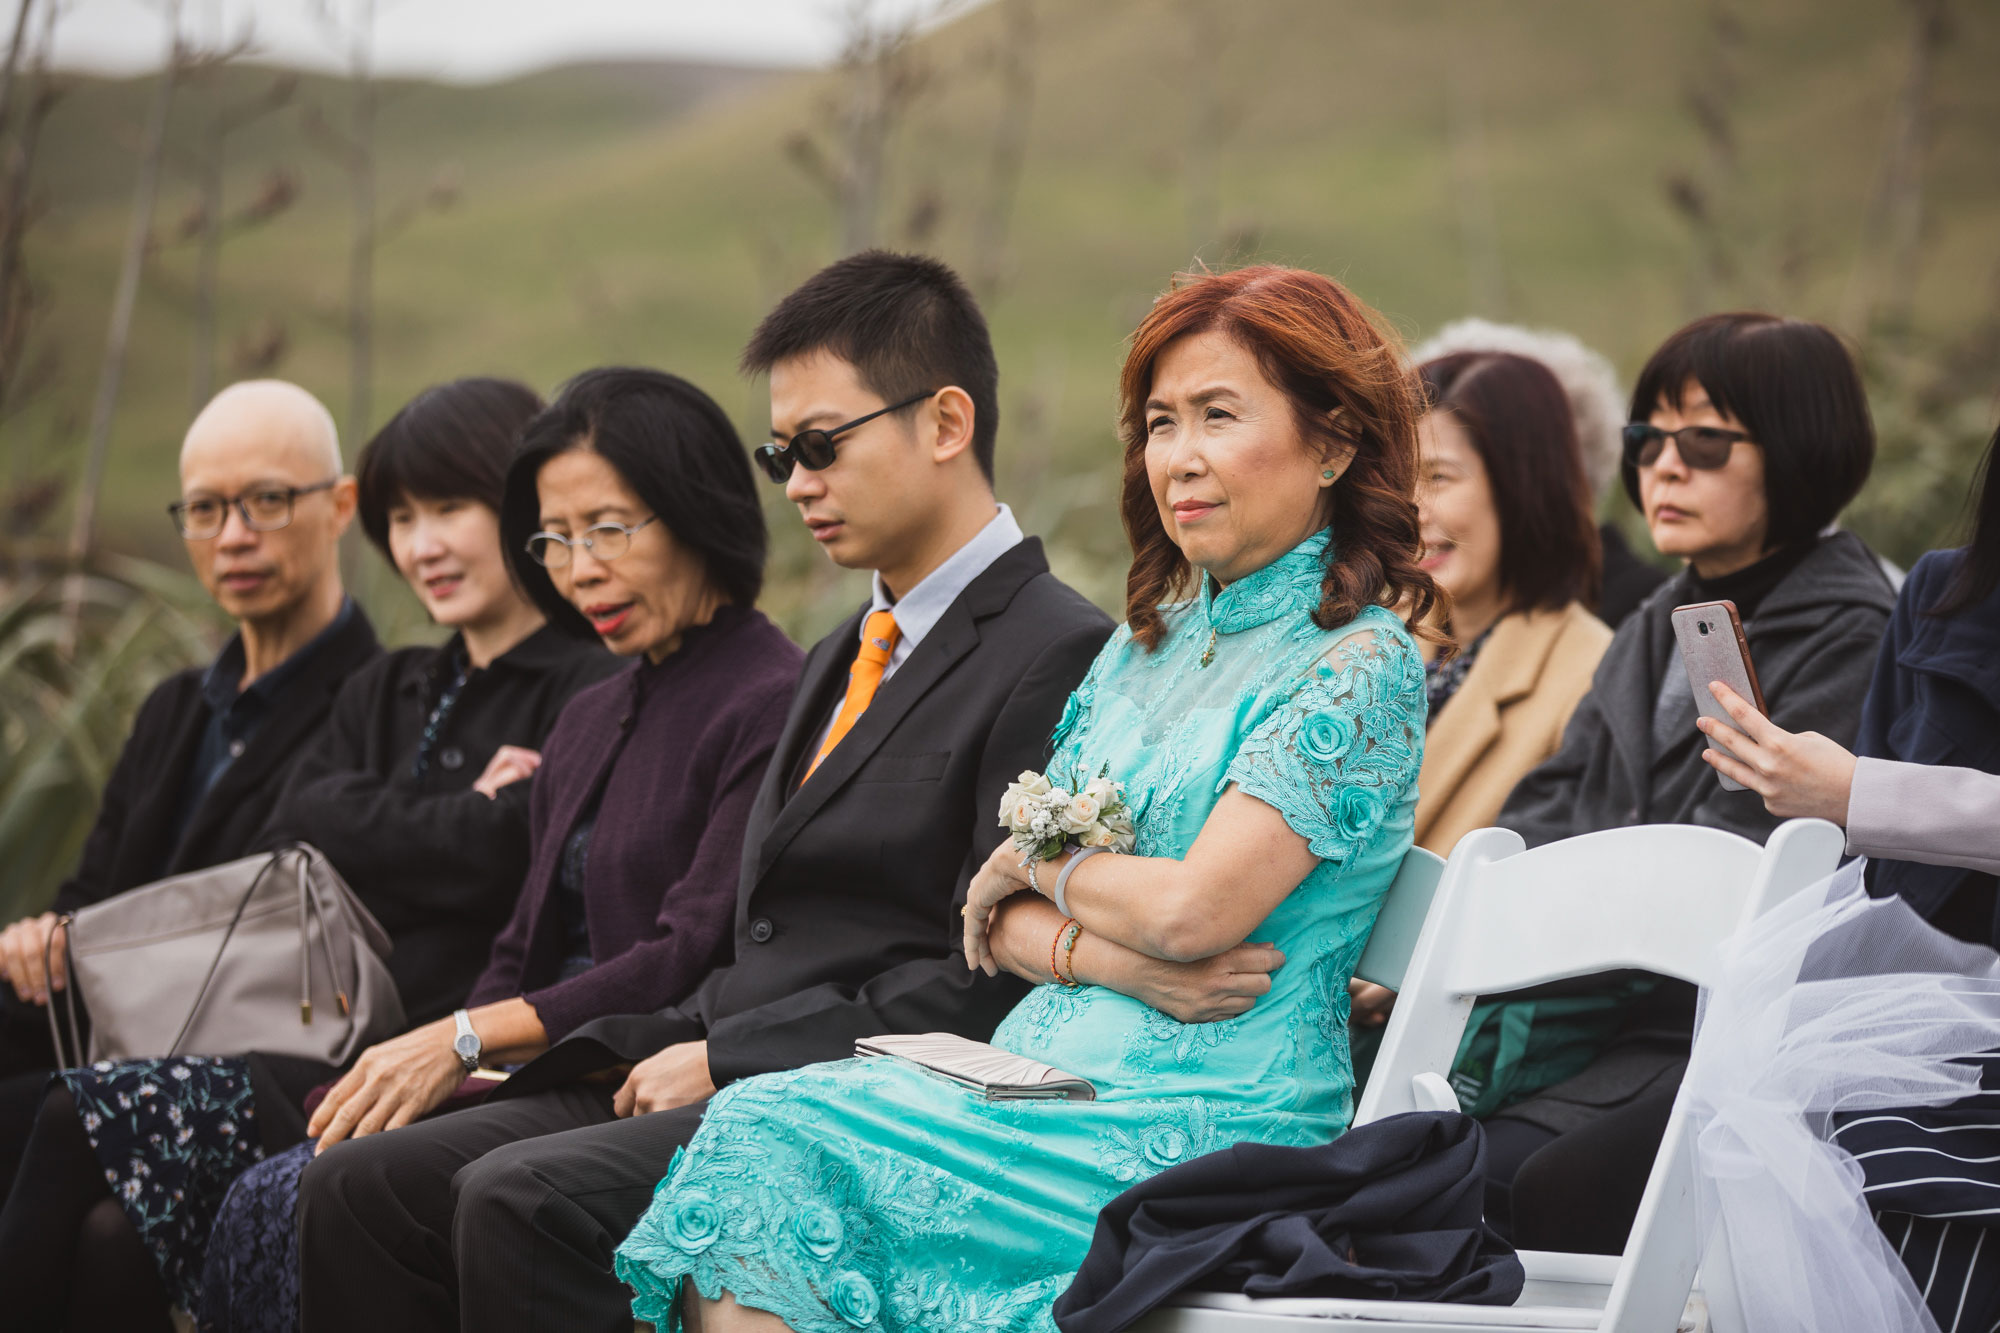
(1185, 1043)
(1045, 1007)
(1337, 757)
(1320, 1027)
(1184, 1129)
(938, 1300)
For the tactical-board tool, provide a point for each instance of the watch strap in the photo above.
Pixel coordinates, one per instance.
(467, 1037)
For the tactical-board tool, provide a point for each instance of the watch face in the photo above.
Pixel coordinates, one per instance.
(467, 1047)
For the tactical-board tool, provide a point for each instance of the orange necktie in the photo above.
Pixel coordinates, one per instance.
(878, 640)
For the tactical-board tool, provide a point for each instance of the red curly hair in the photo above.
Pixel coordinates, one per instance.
(1344, 373)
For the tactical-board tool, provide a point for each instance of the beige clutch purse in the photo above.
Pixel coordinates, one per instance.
(995, 1074)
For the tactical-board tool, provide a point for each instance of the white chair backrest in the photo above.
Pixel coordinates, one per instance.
(1657, 897)
(1400, 923)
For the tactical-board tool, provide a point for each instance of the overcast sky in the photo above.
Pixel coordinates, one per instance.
(471, 39)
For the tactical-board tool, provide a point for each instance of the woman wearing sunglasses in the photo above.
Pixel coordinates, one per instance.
(1748, 435)
(631, 502)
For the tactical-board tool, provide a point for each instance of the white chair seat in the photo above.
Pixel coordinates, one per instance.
(1563, 1291)
(1501, 918)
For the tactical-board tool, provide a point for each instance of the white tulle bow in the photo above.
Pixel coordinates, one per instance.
(1830, 1002)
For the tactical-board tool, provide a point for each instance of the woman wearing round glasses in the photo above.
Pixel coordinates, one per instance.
(633, 494)
(632, 502)
(1749, 434)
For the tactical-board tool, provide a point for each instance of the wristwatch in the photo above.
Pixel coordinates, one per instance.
(467, 1041)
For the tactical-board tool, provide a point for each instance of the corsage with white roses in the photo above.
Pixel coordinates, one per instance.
(1044, 820)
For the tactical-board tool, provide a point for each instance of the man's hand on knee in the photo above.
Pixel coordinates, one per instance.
(677, 1076)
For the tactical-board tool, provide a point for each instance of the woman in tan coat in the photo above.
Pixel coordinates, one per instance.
(1507, 531)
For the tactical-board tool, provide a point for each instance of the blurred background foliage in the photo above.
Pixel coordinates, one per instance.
(1609, 169)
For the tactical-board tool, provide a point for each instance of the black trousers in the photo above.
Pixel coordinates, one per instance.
(501, 1218)
(1580, 1192)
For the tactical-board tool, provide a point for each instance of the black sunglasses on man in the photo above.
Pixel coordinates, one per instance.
(813, 449)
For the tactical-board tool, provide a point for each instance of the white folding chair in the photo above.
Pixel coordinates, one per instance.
(1660, 898)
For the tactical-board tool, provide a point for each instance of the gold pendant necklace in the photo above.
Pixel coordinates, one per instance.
(1208, 653)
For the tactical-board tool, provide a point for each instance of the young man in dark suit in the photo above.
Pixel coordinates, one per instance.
(881, 802)
(264, 501)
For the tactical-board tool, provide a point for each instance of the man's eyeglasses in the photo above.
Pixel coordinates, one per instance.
(200, 517)
(813, 449)
(604, 541)
(1704, 447)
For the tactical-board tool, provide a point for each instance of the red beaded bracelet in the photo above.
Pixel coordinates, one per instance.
(1068, 972)
(1055, 947)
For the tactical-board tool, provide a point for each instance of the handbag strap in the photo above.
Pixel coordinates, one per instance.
(242, 904)
(309, 903)
(69, 1055)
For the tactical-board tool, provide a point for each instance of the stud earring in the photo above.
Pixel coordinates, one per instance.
(1328, 474)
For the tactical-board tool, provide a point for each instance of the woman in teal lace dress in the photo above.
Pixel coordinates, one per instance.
(1264, 713)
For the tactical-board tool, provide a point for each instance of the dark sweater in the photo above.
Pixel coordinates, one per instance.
(677, 749)
(1813, 639)
(1935, 699)
(436, 862)
(135, 841)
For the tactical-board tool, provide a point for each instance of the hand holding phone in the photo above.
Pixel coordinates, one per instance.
(1712, 647)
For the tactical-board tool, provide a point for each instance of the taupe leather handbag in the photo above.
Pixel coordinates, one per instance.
(271, 953)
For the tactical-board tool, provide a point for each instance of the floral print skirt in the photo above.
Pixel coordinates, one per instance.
(172, 1135)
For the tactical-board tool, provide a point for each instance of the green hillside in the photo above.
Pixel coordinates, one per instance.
(1443, 158)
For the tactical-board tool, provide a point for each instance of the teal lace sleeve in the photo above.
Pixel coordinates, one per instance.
(1339, 755)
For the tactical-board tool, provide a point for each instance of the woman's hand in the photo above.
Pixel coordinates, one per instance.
(510, 763)
(392, 1084)
(1368, 1003)
(22, 948)
(1800, 775)
(1211, 989)
(1001, 877)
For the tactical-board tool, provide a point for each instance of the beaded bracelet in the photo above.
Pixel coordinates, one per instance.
(1068, 972)
(1055, 947)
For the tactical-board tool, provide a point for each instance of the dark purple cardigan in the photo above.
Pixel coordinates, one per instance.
(660, 882)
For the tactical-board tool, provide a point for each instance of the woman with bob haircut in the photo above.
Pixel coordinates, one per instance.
(1262, 709)
(631, 506)
(1749, 434)
(398, 794)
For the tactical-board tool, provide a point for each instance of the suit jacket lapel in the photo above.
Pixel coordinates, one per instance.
(955, 635)
(949, 640)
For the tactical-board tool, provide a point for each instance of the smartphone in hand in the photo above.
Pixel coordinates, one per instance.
(1712, 647)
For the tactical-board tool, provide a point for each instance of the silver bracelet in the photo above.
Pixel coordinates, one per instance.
(1031, 863)
(1062, 881)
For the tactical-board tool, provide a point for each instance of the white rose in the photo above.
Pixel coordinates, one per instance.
(1032, 783)
(1102, 790)
(1010, 801)
(1079, 814)
(1022, 819)
(1098, 835)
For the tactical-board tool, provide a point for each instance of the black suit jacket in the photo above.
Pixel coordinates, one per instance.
(133, 843)
(847, 920)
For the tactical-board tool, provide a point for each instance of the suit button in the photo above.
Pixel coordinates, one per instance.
(760, 930)
(451, 759)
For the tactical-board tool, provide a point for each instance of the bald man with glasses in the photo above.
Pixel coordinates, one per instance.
(264, 501)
